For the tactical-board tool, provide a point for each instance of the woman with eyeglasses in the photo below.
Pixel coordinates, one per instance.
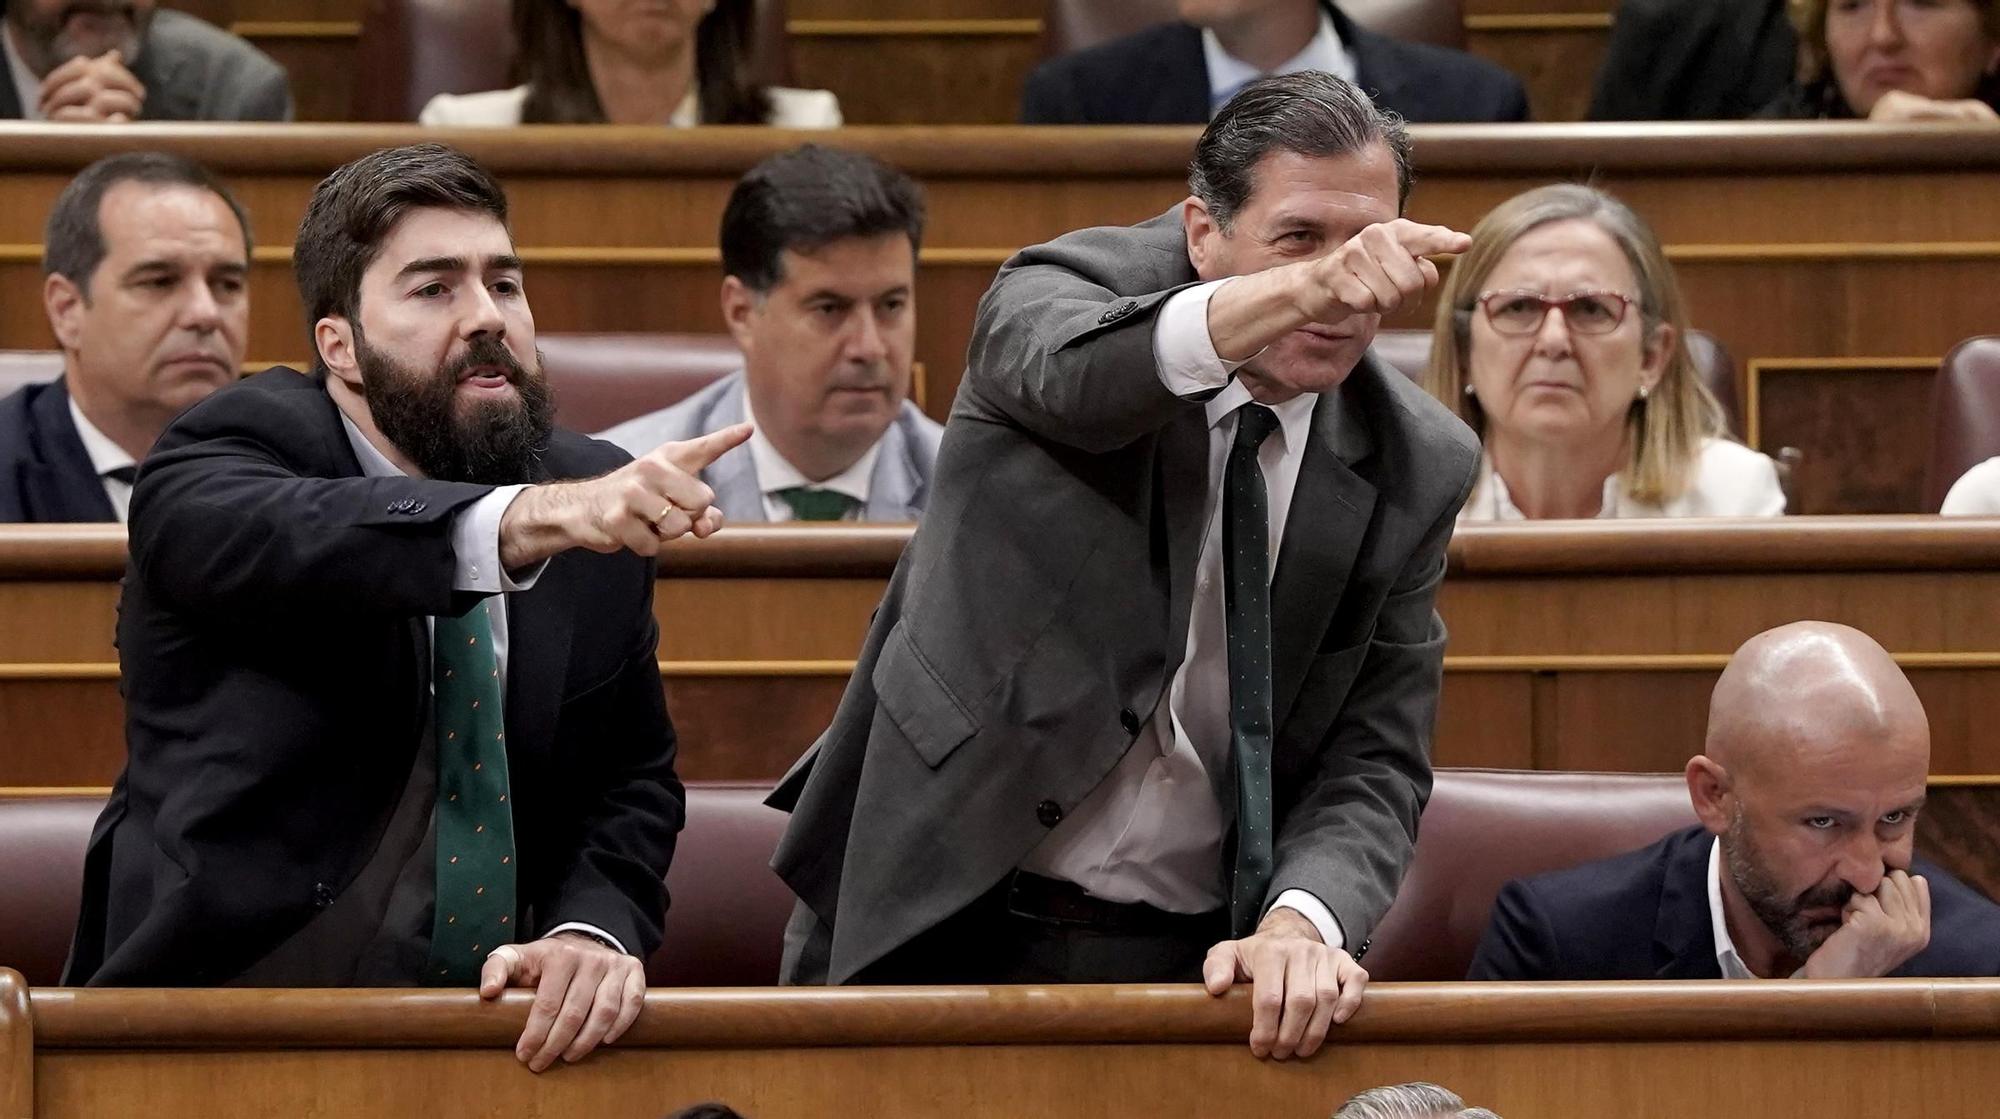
(1561, 339)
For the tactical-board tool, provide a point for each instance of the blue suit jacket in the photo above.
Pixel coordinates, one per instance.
(1158, 76)
(1644, 915)
(45, 474)
(897, 490)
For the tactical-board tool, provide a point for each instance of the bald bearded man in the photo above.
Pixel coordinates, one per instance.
(1808, 790)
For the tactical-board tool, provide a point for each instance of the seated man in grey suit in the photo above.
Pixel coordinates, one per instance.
(1090, 737)
(146, 282)
(1808, 791)
(819, 250)
(90, 61)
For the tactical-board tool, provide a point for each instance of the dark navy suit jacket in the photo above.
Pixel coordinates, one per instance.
(45, 474)
(1644, 915)
(1158, 76)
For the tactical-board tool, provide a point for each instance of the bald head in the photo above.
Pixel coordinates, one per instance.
(1810, 693)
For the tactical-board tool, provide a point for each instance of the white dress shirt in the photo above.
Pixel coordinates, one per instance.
(27, 87)
(105, 457)
(1227, 74)
(775, 473)
(1726, 956)
(1976, 493)
(1730, 480)
(1152, 831)
(475, 546)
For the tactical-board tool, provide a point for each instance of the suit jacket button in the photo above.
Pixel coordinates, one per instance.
(417, 507)
(1118, 312)
(1049, 813)
(322, 895)
(1129, 719)
(1362, 951)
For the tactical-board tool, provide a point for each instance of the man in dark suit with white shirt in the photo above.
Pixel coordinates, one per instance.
(1151, 692)
(389, 661)
(146, 260)
(1808, 790)
(1181, 72)
(116, 61)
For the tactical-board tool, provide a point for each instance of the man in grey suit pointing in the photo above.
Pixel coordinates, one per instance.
(1150, 694)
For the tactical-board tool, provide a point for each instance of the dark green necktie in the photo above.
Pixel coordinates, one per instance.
(475, 820)
(1246, 590)
(812, 504)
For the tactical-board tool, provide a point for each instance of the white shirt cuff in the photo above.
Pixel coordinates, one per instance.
(579, 926)
(1182, 347)
(1314, 910)
(475, 541)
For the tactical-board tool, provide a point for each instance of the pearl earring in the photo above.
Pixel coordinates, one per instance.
(1645, 391)
(1469, 390)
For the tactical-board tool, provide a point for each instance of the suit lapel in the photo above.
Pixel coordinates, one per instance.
(539, 629)
(1375, 74)
(1683, 935)
(733, 477)
(894, 484)
(1329, 516)
(1183, 468)
(61, 485)
(1181, 93)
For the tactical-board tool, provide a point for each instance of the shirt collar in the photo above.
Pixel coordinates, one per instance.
(1726, 956)
(374, 464)
(774, 473)
(1324, 51)
(27, 87)
(687, 114)
(1294, 415)
(105, 455)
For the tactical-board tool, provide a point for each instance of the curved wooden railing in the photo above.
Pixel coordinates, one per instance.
(1663, 547)
(67, 1018)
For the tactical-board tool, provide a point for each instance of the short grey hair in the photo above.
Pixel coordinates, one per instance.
(1416, 1100)
(1309, 113)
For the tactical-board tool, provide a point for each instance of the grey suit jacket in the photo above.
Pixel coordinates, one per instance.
(897, 489)
(193, 70)
(1041, 609)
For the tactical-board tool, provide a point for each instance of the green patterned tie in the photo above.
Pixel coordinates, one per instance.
(475, 821)
(812, 504)
(1246, 584)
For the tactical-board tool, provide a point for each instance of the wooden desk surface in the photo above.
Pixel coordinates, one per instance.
(1583, 646)
(1837, 262)
(1530, 1051)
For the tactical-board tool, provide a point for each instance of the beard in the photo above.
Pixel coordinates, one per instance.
(1783, 915)
(494, 441)
(46, 42)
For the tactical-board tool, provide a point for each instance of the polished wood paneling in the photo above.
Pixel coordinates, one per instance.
(319, 57)
(1863, 427)
(1557, 58)
(1587, 646)
(1528, 1051)
(966, 73)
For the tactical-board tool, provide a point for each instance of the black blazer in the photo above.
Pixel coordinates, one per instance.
(1644, 915)
(1158, 76)
(275, 670)
(45, 474)
(1694, 60)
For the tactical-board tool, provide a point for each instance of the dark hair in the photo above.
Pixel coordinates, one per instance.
(73, 241)
(549, 60)
(354, 208)
(1309, 113)
(707, 1111)
(809, 197)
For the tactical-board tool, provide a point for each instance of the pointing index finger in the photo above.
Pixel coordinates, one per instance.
(695, 455)
(1424, 240)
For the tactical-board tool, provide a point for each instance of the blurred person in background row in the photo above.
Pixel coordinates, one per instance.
(1182, 71)
(146, 283)
(1694, 60)
(1561, 337)
(1895, 60)
(90, 61)
(819, 251)
(678, 63)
